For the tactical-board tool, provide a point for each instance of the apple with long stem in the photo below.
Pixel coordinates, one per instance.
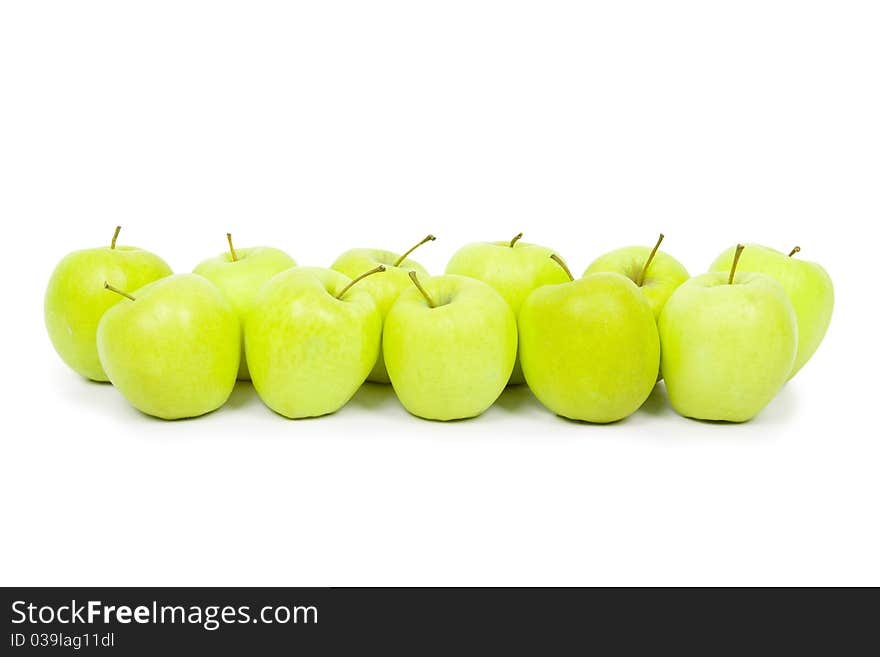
(729, 342)
(239, 274)
(589, 347)
(311, 339)
(172, 347)
(385, 288)
(512, 267)
(807, 285)
(450, 346)
(75, 298)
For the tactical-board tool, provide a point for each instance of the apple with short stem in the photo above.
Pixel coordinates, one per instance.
(450, 346)
(239, 274)
(513, 268)
(311, 339)
(385, 288)
(589, 347)
(172, 347)
(807, 285)
(75, 300)
(729, 341)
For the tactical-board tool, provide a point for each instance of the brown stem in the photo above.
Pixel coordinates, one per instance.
(429, 238)
(650, 259)
(559, 261)
(107, 286)
(360, 278)
(515, 239)
(115, 235)
(796, 249)
(231, 248)
(739, 250)
(415, 279)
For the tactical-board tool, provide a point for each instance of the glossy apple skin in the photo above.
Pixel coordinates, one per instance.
(384, 287)
(453, 361)
(308, 351)
(807, 285)
(514, 272)
(174, 351)
(240, 280)
(76, 299)
(664, 274)
(589, 348)
(727, 349)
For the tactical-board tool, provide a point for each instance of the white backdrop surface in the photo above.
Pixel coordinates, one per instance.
(316, 127)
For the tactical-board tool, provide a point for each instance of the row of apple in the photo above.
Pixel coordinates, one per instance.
(504, 313)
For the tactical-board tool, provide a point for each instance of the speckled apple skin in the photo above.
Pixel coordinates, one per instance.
(589, 348)
(514, 272)
(453, 361)
(240, 281)
(727, 349)
(308, 352)
(76, 299)
(384, 287)
(173, 352)
(807, 285)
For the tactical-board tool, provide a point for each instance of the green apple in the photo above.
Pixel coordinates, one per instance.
(512, 268)
(450, 346)
(239, 274)
(656, 273)
(172, 349)
(311, 340)
(808, 287)
(729, 342)
(589, 347)
(76, 299)
(384, 288)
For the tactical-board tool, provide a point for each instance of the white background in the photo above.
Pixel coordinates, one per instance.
(316, 127)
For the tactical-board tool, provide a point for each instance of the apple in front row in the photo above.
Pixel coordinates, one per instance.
(729, 342)
(239, 274)
(311, 340)
(76, 299)
(172, 347)
(589, 348)
(807, 285)
(513, 268)
(450, 345)
(385, 287)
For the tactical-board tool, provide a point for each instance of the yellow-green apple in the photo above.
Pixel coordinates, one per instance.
(589, 347)
(76, 299)
(729, 341)
(239, 274)
(171, 347)
(450, 345)
(384, 288)
(656, 273)
(513, 268)
(807, 285)
(311, 340)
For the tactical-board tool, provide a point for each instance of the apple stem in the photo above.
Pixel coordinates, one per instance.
(115, 235)
(559, 261)
(359, 278)
(429, 238)
(644, 272)
(739, 250)
(107, 286)
(415, 279)
(796, 249)
(231, 248)
(516, 239)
